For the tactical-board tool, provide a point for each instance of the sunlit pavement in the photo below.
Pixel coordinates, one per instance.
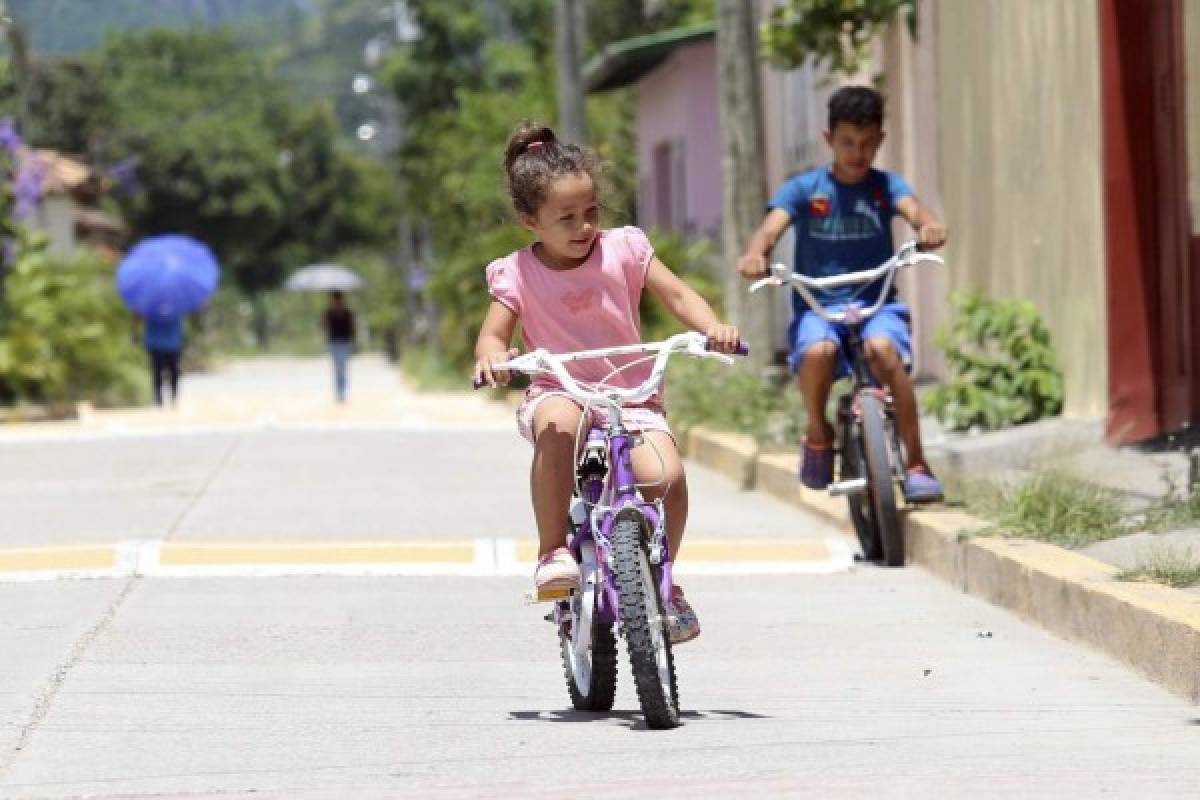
(391, 653)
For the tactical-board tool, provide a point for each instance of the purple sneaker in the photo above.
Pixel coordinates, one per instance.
(921, 487)
(816, 466)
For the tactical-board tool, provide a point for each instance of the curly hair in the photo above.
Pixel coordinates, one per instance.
(534, 157)
(857, 105)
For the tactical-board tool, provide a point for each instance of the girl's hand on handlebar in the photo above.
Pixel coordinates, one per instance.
(486, 373)
(752, 266)
(723, 338)
(931, 236)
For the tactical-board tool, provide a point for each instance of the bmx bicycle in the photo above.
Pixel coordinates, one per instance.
(870, 455)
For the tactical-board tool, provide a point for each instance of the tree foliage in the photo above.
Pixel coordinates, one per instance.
(832, 33)
(610, 21)
(221, 150)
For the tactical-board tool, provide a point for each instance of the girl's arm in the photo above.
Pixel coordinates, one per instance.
(686, 305)
(492, 346)
(931, 233)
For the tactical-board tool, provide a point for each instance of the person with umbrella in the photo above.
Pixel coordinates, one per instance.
(163, 340)
(338, 319)
(338, 322)
(162, 280)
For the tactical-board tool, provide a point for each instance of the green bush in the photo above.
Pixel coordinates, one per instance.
(1002, 366)
(64, 335)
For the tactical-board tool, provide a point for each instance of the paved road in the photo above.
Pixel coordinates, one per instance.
(859, 682)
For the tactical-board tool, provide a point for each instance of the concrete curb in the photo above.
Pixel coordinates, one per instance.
(1152, 628)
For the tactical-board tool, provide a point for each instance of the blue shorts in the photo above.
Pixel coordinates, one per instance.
(892, 321)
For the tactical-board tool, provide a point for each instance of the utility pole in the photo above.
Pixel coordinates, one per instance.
(742, 169)
(568, 40)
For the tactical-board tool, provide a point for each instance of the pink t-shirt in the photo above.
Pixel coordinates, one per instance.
(591, 306)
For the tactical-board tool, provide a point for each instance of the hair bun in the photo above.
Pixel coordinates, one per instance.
(528, 136)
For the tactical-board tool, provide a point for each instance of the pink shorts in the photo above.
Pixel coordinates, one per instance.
(637, 418)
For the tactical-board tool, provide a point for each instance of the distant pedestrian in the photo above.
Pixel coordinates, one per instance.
(339, 331)
(163, 339)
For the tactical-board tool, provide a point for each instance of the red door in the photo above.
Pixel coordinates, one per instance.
(1154, 375)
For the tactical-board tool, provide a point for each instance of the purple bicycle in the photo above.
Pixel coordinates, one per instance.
(620, 542)
(871, 461)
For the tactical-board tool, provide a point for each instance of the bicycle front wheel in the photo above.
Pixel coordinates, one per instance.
(854, 465)
(588, 646)
(880, 485)
(644, 625)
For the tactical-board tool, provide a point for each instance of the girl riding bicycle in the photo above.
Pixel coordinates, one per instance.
(578, 287)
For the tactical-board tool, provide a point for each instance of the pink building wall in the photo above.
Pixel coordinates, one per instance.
(677, 105)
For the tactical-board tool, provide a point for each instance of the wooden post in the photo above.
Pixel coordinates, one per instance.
(743, 169)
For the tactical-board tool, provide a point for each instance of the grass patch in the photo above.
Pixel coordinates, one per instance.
(1178, 568)
(1178, 509)
(1051, 507)
(725, 398)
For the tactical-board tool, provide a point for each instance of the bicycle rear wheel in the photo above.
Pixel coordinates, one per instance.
(589, 647)
(880, 484)
(644, 625)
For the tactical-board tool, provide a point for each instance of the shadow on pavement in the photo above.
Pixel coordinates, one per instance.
(571, 715)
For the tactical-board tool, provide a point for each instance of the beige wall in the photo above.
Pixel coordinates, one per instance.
(1019, 131)
(1191, 10)
(909, 71)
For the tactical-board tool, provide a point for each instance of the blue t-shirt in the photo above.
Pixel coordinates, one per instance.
(164, 334)
(840, 227)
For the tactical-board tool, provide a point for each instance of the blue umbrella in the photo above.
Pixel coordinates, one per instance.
(167, 276)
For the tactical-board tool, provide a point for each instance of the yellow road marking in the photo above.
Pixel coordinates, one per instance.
(177, 555)
(67, 557)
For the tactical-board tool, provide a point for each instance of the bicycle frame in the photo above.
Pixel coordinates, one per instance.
(609, 497)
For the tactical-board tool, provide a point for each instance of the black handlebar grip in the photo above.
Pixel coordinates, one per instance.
(478, 383)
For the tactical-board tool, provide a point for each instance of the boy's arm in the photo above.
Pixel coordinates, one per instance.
(492, 346)
(931, 233)
(687, 306)
(753, 263)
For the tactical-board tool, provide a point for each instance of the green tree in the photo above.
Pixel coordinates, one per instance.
(833, 33)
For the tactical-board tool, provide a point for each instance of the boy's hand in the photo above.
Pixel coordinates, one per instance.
(752, 266)
(723, 338)
(486, 373)
(931, 236)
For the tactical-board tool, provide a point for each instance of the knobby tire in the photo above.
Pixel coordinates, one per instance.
(643, 620)
(879, 479)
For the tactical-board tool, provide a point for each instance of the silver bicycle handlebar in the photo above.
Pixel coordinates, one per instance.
(906, 256)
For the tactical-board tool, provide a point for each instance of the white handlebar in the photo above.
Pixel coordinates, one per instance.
(541, 361)
(906, 256)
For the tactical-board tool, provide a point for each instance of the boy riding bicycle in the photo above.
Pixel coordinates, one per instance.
(842, 214)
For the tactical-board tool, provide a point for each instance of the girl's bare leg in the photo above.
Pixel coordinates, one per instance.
(555, 422)
(673, 486)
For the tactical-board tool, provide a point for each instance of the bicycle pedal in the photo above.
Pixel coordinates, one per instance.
(548, 595)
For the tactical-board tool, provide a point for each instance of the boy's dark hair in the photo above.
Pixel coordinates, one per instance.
(534, 157)
(857, 105)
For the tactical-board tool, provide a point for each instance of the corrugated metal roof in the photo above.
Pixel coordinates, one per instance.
(626, 61)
